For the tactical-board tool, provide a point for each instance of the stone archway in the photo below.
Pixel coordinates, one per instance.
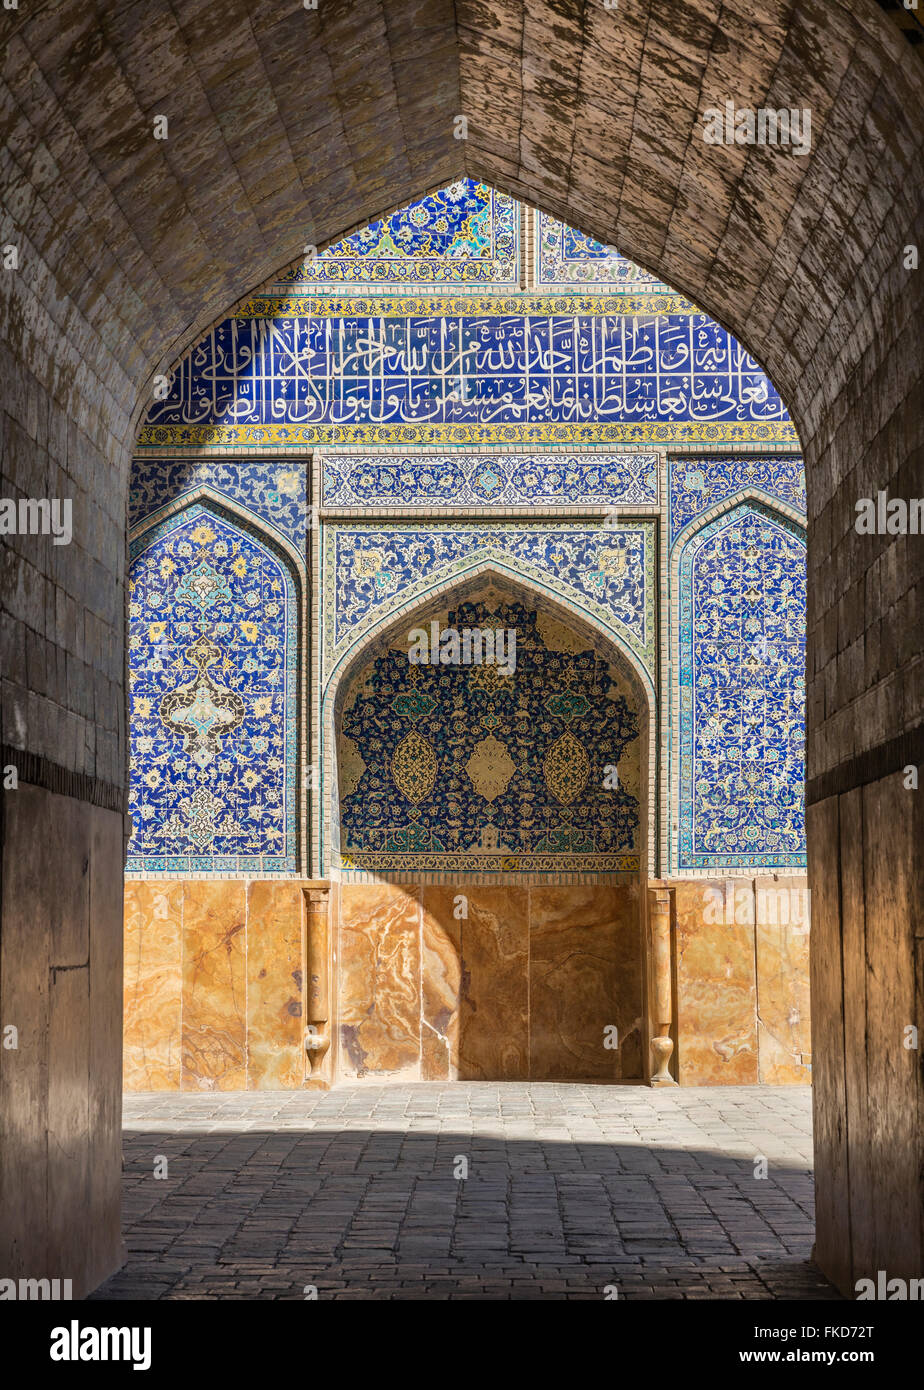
(127, 247)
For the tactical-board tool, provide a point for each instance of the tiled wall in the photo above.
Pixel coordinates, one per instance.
(523, 986)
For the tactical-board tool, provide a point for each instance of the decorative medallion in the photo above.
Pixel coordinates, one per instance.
(566, 768)
(567, 705)
(203, 812)
(413, 705)
(413, 766)
(201, 710)
(490, 768)
(202, 586)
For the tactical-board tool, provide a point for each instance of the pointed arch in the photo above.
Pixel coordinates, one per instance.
(249, 677)
(754, 494)
(684, 770)
(456, 588)
(497, 549)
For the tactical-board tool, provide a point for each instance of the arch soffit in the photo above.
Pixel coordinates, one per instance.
(604, 642)
(375, 639)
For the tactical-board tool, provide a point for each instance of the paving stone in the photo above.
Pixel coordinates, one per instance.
(403, 1229)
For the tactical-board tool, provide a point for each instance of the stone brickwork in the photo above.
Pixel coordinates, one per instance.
(287, 126)
(571, 1190)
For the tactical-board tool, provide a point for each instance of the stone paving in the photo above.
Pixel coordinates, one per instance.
(571, 1190)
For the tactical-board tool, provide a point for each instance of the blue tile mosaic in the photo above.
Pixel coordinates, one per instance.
(466, 770)
(466, 234)
(742, 694)
(371, 571)
(364, 378)
(481, 480)
(274, 490)
(566, 257)
(697, 484)
(213, 668)
(601, 354)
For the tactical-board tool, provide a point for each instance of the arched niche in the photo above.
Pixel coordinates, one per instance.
(451, 593)
(485, 948)
(739, 577)
(214, 619)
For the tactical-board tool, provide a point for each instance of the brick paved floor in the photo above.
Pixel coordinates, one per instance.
(570, 1189)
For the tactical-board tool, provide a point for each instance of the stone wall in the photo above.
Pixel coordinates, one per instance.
(524, 986)
(214, 981)
(300, 125)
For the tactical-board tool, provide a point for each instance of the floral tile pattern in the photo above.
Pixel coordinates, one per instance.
(465, 769)
(466, 234)
(371, 571)
(212, 700)
(429, 380)
(276, 491)
(565, 256)
(742, 693)
(484, 480)
(700, 483)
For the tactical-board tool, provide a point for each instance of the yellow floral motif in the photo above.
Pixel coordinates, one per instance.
(566, 768)
(239, 565)
(203, 534)
(612, 561)
(413, 766)
(143, 707)
(250, 631)
(263, 706)
(289, 483)
(367, 563)
(156, 631)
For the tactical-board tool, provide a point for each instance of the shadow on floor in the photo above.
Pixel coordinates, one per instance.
(395, 1212)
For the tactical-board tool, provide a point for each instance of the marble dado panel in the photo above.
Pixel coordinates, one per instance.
(523, 986)
(742, 983)
(213, 985)
(607, 573)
